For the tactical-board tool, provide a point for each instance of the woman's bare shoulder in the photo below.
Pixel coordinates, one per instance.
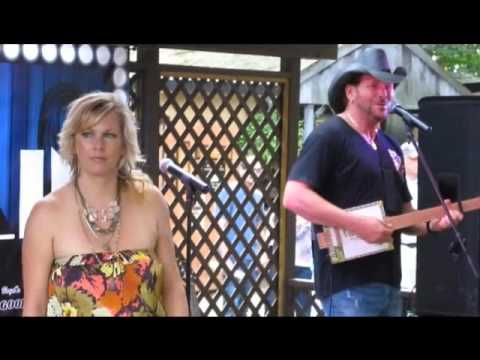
(46, 215)
(157, 198)
(52, 204)
(148, 194)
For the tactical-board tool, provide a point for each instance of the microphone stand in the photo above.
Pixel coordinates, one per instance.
(459, 238)
(188, 235)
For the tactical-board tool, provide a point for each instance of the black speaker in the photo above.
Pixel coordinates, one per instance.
(445, 282)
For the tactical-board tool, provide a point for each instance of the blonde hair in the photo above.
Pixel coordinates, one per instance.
(89, 110)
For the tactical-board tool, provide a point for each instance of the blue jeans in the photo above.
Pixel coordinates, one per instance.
(368, 300)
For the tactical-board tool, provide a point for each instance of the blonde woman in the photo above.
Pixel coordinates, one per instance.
(101, 245)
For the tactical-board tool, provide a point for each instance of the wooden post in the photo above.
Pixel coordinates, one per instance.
(287, 227)
(150, 109)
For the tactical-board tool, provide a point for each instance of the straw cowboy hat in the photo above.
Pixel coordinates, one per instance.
(372, 61)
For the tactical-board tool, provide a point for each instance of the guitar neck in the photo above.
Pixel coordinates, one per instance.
(417, 217)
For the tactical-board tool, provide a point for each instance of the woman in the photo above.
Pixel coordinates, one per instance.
(101, 245)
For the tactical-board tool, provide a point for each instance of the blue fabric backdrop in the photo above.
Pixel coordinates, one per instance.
(33, 99)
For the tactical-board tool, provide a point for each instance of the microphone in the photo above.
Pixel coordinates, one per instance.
(167, 165)
(411, 120)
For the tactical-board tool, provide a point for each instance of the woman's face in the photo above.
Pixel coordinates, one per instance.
(100, 147)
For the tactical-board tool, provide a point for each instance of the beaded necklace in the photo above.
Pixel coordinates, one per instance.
(104, 224)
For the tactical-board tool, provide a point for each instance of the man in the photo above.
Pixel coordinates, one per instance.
(348, 161)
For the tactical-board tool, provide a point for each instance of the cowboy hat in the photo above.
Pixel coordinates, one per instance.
(372, 61)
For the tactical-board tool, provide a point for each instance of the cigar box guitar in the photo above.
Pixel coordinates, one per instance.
(345, 246)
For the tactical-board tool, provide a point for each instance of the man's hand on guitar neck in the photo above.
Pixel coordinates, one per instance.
(443, 223)
(434, 225)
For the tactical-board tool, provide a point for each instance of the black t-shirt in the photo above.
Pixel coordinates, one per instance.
(338, 164)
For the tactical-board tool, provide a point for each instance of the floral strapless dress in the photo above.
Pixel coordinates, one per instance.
(123, 283)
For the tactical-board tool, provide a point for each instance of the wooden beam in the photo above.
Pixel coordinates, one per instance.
(308, 51)
(226, 73)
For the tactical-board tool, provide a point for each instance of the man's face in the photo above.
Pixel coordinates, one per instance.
(371, 96)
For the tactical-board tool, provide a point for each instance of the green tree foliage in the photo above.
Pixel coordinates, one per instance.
(462, 61)
(267, 143)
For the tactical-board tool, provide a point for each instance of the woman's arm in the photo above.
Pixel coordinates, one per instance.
(37, 257)
(175, 299)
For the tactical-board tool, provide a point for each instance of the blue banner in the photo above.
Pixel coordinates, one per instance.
(33, 100)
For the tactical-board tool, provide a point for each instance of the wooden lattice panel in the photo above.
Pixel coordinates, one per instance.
(228, 133)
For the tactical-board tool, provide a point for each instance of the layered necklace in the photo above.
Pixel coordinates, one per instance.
(103, 224)
(369, 139)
